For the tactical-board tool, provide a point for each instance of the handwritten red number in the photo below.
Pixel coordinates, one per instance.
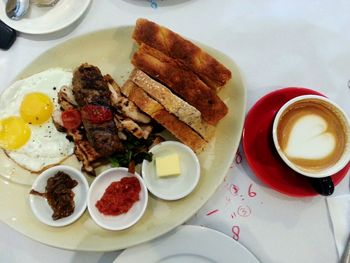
(250, 192)
(244, 211)
(238, 158)
(235, 231)
(234, 189)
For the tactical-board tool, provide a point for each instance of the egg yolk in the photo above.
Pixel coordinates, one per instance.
(14, 133)
(36, 108)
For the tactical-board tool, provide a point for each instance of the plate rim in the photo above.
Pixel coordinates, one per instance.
(184, 230)
(12, 23)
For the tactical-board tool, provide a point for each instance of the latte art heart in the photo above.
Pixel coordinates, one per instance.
(309, 139)
(312, 135)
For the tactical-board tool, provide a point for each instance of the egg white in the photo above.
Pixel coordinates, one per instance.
(46, 146)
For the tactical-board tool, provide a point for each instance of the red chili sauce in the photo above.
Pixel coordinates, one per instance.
(119, 196)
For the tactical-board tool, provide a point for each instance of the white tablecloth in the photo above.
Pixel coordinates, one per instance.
(275, 43)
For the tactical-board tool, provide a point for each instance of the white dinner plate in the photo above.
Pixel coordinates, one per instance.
(189, 244)
(44, 20)
(115, 48)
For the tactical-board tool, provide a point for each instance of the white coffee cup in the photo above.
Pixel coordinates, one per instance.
(312, 136)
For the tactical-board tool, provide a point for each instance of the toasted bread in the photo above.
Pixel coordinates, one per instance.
(172, 103)
(169, 121)
(144, 102)
(187, 54)
(184, 83)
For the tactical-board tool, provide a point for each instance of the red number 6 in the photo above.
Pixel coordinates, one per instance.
(250, 192)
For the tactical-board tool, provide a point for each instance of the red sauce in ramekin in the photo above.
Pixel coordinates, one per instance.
(119, 196)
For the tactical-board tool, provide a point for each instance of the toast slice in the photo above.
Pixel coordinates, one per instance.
(173, 104)
(211, 71)
(169, 121)
(184, 83)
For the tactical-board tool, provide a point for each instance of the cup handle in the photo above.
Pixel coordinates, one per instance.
(323, 186)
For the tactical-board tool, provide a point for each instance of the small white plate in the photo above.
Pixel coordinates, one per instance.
(97, 190)
(173, 187)
(189, 244)
(42, 209)
(44, 20)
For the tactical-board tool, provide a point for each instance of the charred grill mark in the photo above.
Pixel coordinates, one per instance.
(90, 88)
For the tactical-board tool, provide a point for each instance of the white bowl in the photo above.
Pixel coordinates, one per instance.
(97, 190)
(174, 187)
(40, 206)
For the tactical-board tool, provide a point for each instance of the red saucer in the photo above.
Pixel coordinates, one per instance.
(260, 150)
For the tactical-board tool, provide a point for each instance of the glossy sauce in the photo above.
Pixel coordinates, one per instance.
(59, 195)
(119, 197)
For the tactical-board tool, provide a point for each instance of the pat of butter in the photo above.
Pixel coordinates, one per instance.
(168, 165)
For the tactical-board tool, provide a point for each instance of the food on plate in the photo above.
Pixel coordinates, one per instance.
(168, 165)
(14, 133)
(169, 121)
(87, 113)
(103, 124)
(27, 133)
(129, 116)
(71, 119)
(92, 95)
(59, 195)
(176, 83)
(172, 103)
(36, 108)
(119, 197)
(183, 82)
(186, 54)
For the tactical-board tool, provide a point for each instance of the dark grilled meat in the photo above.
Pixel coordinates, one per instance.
(90, 88)
(102, 137)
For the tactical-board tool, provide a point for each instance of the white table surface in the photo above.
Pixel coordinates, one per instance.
(275, 43)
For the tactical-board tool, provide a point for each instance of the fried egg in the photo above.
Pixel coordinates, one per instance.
(27, 132)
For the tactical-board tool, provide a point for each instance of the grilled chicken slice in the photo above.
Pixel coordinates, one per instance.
(83, 150)
(139, 131)
(123, 104)
(67, 95)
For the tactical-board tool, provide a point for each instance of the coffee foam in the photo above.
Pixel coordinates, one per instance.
(312, 134)
(309, 139)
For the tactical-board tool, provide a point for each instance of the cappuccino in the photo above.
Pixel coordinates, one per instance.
(312, 134)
